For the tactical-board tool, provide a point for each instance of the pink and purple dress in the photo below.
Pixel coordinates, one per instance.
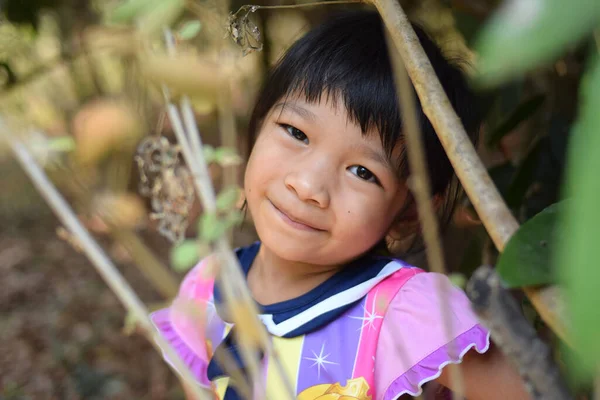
(373, 331)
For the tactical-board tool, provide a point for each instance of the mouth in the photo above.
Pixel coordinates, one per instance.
(294, 221)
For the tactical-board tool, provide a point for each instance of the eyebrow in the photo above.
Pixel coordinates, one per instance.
(374, 155)
(301, 111)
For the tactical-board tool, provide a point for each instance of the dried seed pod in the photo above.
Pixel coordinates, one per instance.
(168, 183)
(243, 31)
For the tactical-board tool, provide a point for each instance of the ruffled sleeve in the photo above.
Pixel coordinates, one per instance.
(414, 346)
(182, 323)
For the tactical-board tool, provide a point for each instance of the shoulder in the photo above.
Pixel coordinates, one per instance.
(428, 324)
(190, 321)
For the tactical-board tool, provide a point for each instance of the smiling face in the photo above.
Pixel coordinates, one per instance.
(319, 191)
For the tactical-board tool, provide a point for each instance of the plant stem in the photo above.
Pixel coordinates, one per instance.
(147, 263)
(420, 185)
(233, 283)
(316, 3)
(516, 337)
(103, 265)
(492, 210)
(227, 128)
(235, 290)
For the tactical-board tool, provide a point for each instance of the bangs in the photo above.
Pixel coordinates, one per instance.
(346, 60)
(335, 64)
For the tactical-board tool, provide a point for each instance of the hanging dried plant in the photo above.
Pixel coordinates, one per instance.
(168, 184)
(246, 34)
(243, 31)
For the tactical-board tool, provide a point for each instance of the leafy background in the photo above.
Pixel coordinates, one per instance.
(62, 332)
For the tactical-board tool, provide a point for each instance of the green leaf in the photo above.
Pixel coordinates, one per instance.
(130, 324)
(526, 260)
(520, 114)
(62, 144)
(227, 156)
(162, 15)
(234, 218)
(458, 279)
(129, 10)
(526, 34)
(186, 255)
(211, 227)
(578, 256)
(227, 198)
(189, 30)
(209, 153)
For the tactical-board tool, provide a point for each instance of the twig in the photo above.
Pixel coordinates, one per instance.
(103, 265)
(227, 128)
(420, 185)
(187, 135)
(148, 264)
(492, 210)
(316, 3)
(515, 336)
(199, 169)
(235, 290)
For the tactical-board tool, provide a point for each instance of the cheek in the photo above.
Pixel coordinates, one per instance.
(365, 218)
(263, 165)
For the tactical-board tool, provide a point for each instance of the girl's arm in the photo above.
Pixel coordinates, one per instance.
(488, 376)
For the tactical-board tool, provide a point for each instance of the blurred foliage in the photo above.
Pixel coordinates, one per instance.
(581, 222)
(525, 34)
(77, 69)
(519, 42)
(527, 258)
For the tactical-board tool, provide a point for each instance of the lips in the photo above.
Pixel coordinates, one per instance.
(295, 221)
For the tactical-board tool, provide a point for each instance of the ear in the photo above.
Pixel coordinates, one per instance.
(407, 222)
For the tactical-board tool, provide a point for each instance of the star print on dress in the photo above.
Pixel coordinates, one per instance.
(369, 317)
(320, 360)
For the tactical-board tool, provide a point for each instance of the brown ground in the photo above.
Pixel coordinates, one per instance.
(61, 328)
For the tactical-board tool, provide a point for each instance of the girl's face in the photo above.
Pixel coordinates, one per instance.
(319, 191)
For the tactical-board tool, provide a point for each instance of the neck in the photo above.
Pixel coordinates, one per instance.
(272, 279)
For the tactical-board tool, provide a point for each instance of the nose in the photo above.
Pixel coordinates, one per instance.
(309, 183)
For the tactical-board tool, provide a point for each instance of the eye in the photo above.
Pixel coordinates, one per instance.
(295, 133)
(363, 173)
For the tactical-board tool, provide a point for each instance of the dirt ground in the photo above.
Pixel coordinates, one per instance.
(61, 328)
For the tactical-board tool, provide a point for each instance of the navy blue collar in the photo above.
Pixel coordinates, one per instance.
(348, 285)
(307, 312)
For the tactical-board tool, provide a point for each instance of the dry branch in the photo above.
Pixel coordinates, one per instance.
(420, 185)
(235, 290)
(103, 265)
(147, 263)
(252, 333)
(491, 208)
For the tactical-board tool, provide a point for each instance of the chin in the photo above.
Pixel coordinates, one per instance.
(291, 249)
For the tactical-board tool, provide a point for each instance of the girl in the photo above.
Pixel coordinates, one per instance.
(326, 186)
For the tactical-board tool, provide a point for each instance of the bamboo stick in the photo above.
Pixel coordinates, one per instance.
(420, 185)
(103, 265)
(491, 208)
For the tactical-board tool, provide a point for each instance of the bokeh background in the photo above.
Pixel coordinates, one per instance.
(63, 334)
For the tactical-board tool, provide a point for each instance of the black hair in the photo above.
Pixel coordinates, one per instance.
(347, 59)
